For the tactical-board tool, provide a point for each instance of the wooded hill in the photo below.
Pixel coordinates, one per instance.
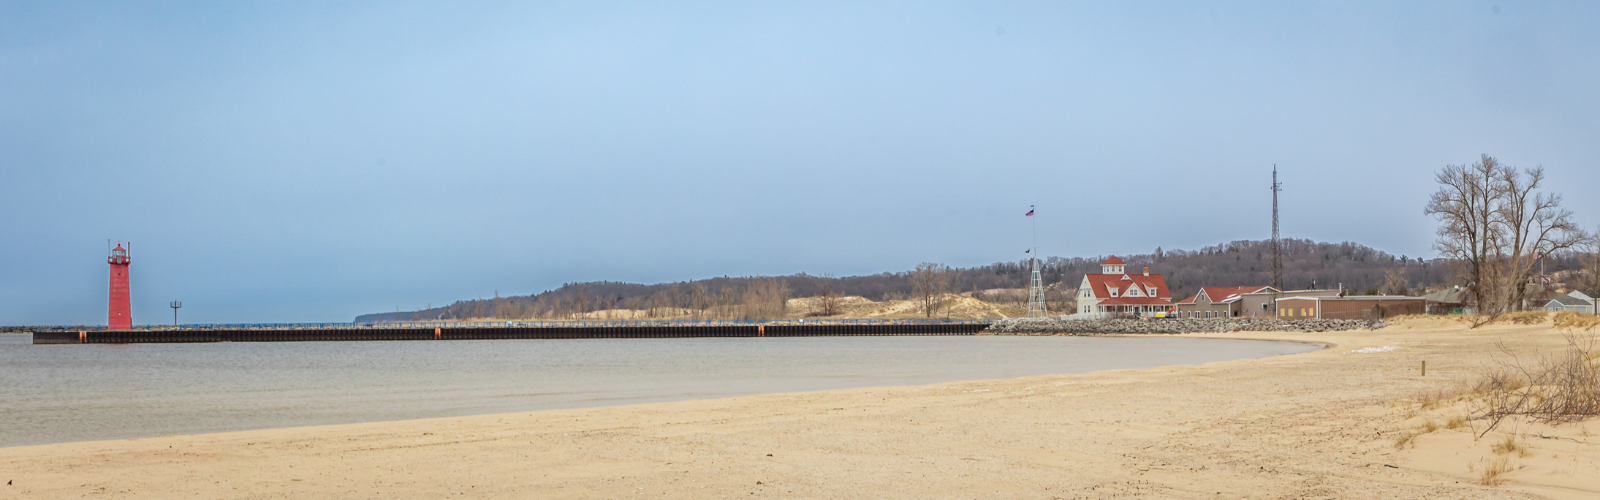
(1307, 264)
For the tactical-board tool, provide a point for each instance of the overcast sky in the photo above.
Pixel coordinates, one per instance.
(282, 162)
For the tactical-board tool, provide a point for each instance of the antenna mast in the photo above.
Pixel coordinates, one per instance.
(1277, 247)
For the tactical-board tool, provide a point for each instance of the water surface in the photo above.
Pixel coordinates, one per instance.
(60, 393)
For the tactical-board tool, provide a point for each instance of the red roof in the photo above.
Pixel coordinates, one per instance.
(1217, 294)
(1101, 284)
(1113, 261)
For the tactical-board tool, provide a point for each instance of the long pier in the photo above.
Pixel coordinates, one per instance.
(504, 331)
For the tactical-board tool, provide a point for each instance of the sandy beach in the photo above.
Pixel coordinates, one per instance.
(1324, 424)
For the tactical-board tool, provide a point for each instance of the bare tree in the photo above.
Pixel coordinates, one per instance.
(700, 299)
(1492, 220)
(766, 298)
(1465, 207)
(1589, 276)
(1537, 225)
(1395, 283)
(929, 282)
(828, 301)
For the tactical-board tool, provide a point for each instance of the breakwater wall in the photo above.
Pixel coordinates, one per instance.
(612, 331)
(1048, 326)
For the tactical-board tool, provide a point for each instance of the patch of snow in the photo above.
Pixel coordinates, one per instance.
(1368, 350)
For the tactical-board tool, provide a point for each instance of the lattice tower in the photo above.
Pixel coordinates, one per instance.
(1277, 246)
(1036, 306)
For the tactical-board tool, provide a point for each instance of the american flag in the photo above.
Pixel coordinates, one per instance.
(1029, 214)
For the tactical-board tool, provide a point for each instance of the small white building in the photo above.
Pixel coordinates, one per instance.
(1576, 302)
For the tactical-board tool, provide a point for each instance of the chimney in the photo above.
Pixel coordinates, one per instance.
(1146, 270)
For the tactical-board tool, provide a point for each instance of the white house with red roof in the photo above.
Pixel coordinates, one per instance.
(1116, 291)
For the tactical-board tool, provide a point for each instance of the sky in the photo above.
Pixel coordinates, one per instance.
(309, 162)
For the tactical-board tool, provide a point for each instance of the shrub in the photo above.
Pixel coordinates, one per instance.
(1563, 387)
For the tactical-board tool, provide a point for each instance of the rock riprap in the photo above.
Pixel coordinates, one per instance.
(1026, 326)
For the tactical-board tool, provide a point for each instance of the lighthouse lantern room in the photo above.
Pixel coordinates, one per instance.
(119, 316)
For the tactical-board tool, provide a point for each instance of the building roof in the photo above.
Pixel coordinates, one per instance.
(1113, 261)
(1567, 300)
(1453, 295)
(1356, 297)
(1224, 294)
(1102, 284)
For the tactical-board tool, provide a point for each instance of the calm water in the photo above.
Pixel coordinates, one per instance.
(58, 393)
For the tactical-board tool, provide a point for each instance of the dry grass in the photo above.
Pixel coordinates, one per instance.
(1493, 474)
(1429, 400)
(1562, 387)
(1524, 318)
(1456, 422)
(1404, 439)
(1517, 318)
(1509, 445)
(1404, 318)
(1568, 320)
(1429, 425)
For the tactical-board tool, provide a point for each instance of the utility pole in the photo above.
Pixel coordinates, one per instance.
(175, 305)
(1277, 247)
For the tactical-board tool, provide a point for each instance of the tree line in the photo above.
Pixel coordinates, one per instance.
(1307, 264)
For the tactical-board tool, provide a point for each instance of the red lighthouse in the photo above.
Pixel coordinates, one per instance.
(119, 316)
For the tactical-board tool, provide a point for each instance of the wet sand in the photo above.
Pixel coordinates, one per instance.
(1314, 425)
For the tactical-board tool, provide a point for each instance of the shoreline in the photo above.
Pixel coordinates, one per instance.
(1319, 423)
(1319, 347)
(117, 417)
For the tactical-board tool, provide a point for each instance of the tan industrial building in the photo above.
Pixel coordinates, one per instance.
(1239, 301)
(1364, 307)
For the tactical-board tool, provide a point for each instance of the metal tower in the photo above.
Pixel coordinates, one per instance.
(1277, 247)
(1036, 306)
